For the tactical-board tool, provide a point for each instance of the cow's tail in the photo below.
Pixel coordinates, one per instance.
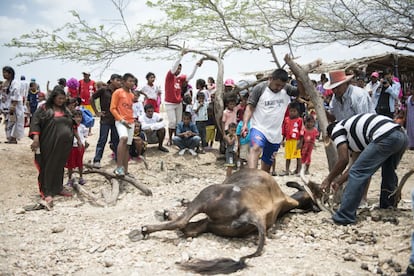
(225, 265)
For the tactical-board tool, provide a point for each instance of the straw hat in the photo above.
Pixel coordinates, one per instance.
(337, 78)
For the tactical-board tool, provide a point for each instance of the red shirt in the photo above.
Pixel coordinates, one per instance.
(86, 89)
(292, 128)
(309, 135)
(73, 92)
(173, 87)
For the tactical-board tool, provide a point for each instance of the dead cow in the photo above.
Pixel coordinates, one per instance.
(249, 200)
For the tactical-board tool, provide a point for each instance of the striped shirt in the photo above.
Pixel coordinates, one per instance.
(360, 130)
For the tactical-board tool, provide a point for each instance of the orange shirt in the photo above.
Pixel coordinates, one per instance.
(121, 105)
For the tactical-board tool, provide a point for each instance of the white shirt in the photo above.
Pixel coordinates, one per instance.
(269, 114)
(152, 92)
(154, 123)
(201, 115)
(83, 132)
(138, 110)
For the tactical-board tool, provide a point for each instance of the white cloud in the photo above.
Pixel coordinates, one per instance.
(11, 27)
(56, 13)
(20, 8)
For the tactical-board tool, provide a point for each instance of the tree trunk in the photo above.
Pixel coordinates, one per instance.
(219, 101)
(301, 73)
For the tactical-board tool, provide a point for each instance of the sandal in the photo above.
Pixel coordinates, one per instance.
(69, 183)
(47, 202)
(65, 192)
(34, 207)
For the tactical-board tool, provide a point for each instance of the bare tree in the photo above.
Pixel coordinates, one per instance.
(387, 22)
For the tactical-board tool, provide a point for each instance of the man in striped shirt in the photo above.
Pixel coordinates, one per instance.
(380, 143)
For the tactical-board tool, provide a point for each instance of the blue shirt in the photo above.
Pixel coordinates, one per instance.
(243, 140)
(181, 128)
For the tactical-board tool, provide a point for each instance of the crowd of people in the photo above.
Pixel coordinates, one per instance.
(371, 123)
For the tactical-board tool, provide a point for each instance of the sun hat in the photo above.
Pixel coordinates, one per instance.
(229, 82)
(337, 78)
(375, 75)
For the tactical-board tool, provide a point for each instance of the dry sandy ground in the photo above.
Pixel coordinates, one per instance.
(77, 238)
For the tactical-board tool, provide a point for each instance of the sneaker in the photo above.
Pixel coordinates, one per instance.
(96, 165)
(82, 181)
(283, 173)
(119, 172)
(181, 152)
(363, 204)
(193, 153)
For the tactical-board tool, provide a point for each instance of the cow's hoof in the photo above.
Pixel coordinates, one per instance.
(162, 216)
(184, 202)
(136, 235)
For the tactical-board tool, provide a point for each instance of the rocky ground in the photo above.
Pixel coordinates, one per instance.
(77, 238)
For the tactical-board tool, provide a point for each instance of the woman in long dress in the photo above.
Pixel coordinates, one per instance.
(52, 131)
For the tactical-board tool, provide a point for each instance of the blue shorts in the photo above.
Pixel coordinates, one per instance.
(268, 149)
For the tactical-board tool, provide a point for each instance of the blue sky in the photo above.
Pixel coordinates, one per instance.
(21, 16)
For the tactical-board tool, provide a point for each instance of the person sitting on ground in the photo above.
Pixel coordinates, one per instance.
(187, 137)
(139, 143)
(153, 126)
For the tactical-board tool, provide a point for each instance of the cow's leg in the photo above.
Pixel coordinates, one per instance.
(178, 223)
(194, 229)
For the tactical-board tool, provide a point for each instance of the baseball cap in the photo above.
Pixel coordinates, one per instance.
(229, 82)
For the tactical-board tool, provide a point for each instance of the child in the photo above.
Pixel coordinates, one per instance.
(241, 107)
(200, 109)
(188, 105)
(310, 133)
(244, 144)
(75, 159)
(231, 148)
(139, 143)
(151, 92)
(211, 123)
(229, 116)
(211, 85)
(137, 107)
(32, 97)
(291, 131)
(41, 97)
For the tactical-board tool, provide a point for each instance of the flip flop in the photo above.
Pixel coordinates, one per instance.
(34, 207)
(47, 205)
